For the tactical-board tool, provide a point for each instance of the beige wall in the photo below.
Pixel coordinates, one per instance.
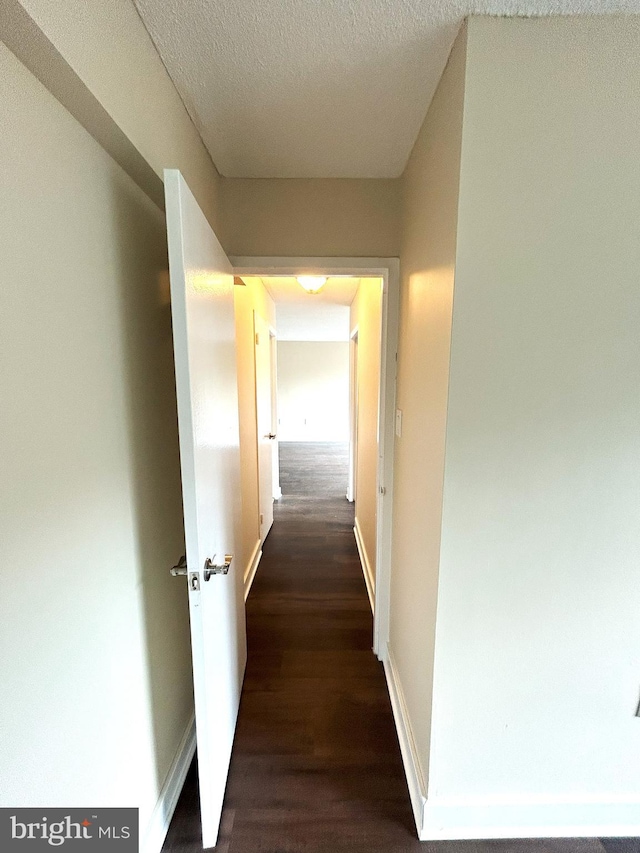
(538, 649)
(102, 649)
(427, 261)
(96, 681)
(313, 217)
(313, 391)
(366, 316)
(107, 45)
(541, 433)
(252, 297)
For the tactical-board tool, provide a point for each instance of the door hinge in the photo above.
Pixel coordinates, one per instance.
(261, 518)
(383, 490)
(257, 339)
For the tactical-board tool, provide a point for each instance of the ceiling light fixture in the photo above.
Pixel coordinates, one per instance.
(312, 283)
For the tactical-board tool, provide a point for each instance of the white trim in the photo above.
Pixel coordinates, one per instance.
(335, 266)
(386, 451)
(353, 413)
(277, 493)
(479, 819)
(369, 577)
(389, 270)
(410, 759)
(265, 508)
(252, 568)
(158, 825)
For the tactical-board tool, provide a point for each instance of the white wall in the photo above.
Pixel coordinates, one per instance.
(538, 638)
(320, 321)
(313, 391)
(96, 681)
(427, 267)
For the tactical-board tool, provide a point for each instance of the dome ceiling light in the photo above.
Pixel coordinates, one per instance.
(312, 283)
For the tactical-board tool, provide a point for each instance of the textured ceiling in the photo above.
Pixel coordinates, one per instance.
(317, 88)
(320, 316)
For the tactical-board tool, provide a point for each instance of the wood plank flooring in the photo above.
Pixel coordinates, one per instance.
(316, 766)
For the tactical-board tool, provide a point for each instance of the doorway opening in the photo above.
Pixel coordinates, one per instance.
(308, 624)
(342, 399)
(313, 384)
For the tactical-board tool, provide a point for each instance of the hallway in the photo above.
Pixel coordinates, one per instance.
(316, 764)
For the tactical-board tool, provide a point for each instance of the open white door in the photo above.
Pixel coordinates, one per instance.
(275, 455)
(266, 433)
(206, 384)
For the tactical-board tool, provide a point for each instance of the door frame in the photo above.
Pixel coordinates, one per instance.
(257, 391)
(353, 414)
(388, 269)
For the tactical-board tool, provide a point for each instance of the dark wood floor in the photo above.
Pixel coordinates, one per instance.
(316, 765)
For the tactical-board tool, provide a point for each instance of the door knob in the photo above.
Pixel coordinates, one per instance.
(213, 568)
(180, 568)
(271, 435)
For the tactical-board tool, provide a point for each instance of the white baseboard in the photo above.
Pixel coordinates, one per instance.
(529, 819)
(366, 567)
(158, 825)
(277, 493)
(410, 759)
(526, 817)
(252, 568)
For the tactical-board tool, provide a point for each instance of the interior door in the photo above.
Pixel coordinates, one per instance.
(266, 433)
(276, 491)
(206, 385)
